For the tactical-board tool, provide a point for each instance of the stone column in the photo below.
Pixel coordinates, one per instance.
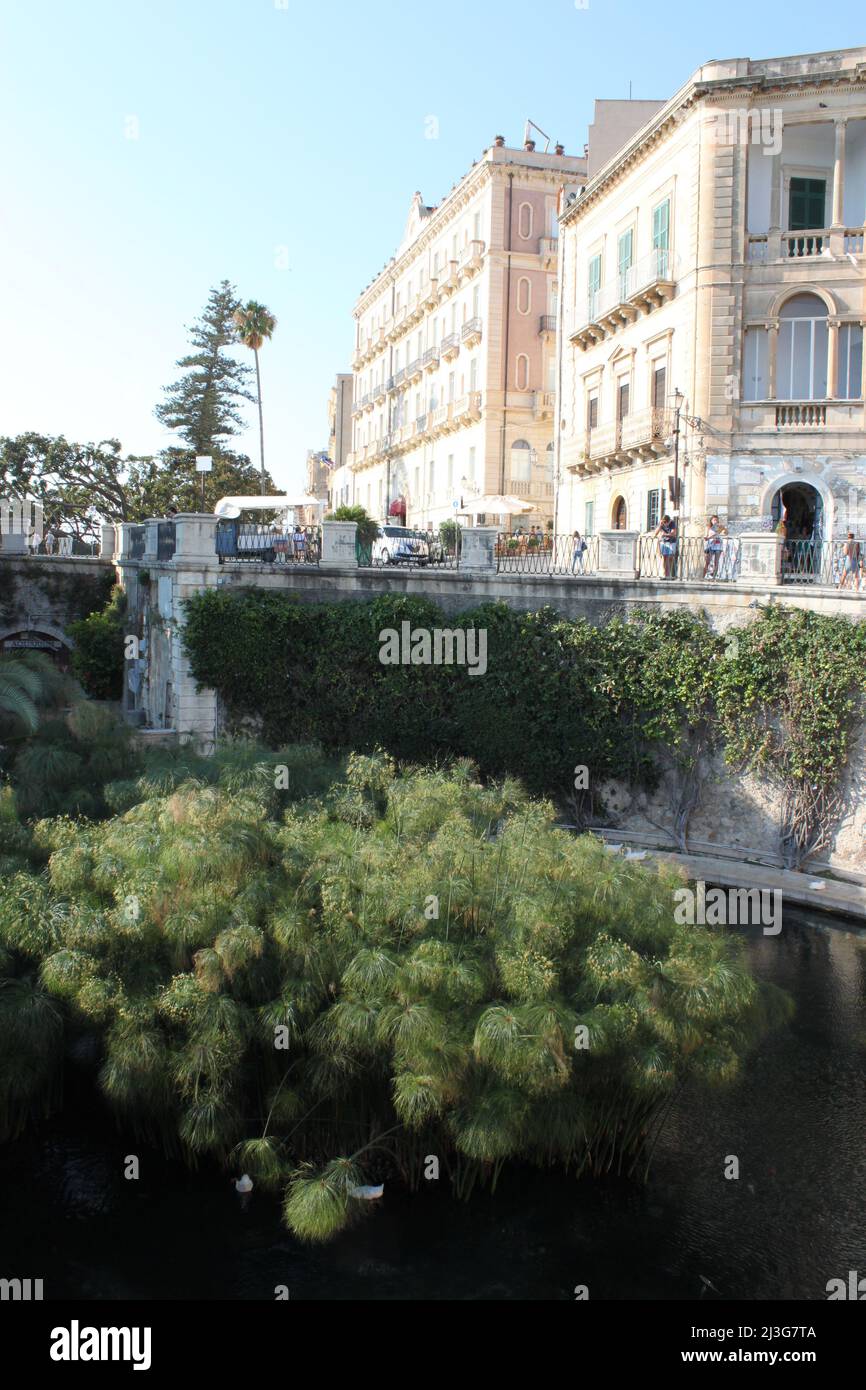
(108, 543)
(772, 357)
(774, 236)
(195, 568)
(151, 539)
(838, 216)
(195, 536)
(832, 358)
(478, 549)
(339, 545)
(761, 558)
(617, 554)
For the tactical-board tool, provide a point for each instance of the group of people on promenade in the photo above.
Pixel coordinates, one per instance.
(51, 541)
(666, 535)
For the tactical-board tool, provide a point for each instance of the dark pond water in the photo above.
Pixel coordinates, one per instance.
(795, 1218)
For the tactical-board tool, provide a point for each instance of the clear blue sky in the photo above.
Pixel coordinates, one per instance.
(265, 124)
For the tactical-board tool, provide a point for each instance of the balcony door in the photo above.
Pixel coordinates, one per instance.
(807, 205)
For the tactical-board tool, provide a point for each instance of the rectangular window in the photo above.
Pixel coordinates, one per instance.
(450, 386)
(476, 227)
(659, 387)
(807, 204)
(850, 362)
(589, 519)
(622, 397)
(471, 474)
(654, 506)
(450, 474)
(591, 413)
(624, 258)
(473, 374)
(661, 237)
(755, 355)
(593, 286)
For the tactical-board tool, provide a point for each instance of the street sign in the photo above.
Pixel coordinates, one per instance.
(203, 463)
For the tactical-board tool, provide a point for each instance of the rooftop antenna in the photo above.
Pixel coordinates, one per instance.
(530, 125)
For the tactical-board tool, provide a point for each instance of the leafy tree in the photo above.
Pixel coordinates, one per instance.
(27, 682)
(255, 324)
(202, 405)
(368, 526)
(97, 658)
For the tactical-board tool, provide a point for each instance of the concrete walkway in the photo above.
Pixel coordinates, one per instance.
(833, 896)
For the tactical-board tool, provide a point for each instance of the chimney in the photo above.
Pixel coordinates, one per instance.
(499, 141)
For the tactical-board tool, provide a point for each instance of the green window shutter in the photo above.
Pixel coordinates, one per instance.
(661, 235)
(594, 284)
(806, 209)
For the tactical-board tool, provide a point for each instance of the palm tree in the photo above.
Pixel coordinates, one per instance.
(255, 323)
(26, 683)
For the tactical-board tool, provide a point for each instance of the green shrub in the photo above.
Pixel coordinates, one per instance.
(97, 659)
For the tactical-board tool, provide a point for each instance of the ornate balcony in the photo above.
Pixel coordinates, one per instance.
(440, 419)
(420, 426)
(544, 405)
(430, 295)
(633, 439)
(451, 281)
(472, 260)
(640, 289)
(471, 332)
(415, 370)
(379, 392)
(398, 379)
(431, 359)
(547, 326)
(450, 346)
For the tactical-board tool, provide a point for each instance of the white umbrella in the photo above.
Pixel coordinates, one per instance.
(231, 507)
(497, 505)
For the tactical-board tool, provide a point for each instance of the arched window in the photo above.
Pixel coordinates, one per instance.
(521, 461)
(524, 221)
(522, 372)
(524, 295)
(801, 367)
(619, 514)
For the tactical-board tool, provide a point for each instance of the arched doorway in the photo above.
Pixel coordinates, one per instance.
(801, 507)
(47, 640)
(619, 515)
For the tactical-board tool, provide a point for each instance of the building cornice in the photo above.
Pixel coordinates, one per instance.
(486, 171)
(696, 91)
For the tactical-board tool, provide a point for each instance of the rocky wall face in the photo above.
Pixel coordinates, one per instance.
(742, 812)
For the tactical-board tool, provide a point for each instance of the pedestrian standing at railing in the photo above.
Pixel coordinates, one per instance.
(49, 542)
(713, 547)
(666, 534)
(299, 542)
(578, 550)
(850, 563)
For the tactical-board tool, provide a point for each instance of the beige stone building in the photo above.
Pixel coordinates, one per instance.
(455, 348)
(715, 263)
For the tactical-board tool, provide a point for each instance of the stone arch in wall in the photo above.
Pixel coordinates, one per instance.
(776, 486)
(37, 636)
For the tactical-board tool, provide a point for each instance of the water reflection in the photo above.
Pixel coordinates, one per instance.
(795, 1218)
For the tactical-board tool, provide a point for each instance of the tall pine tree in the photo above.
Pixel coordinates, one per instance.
(202, 405)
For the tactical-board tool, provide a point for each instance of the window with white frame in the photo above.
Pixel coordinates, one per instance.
(755, 365)
(801, 367)
(522, 372)
(524, 295)
(521, 461)
(654, 507)
(524, 221)
(589, 519)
